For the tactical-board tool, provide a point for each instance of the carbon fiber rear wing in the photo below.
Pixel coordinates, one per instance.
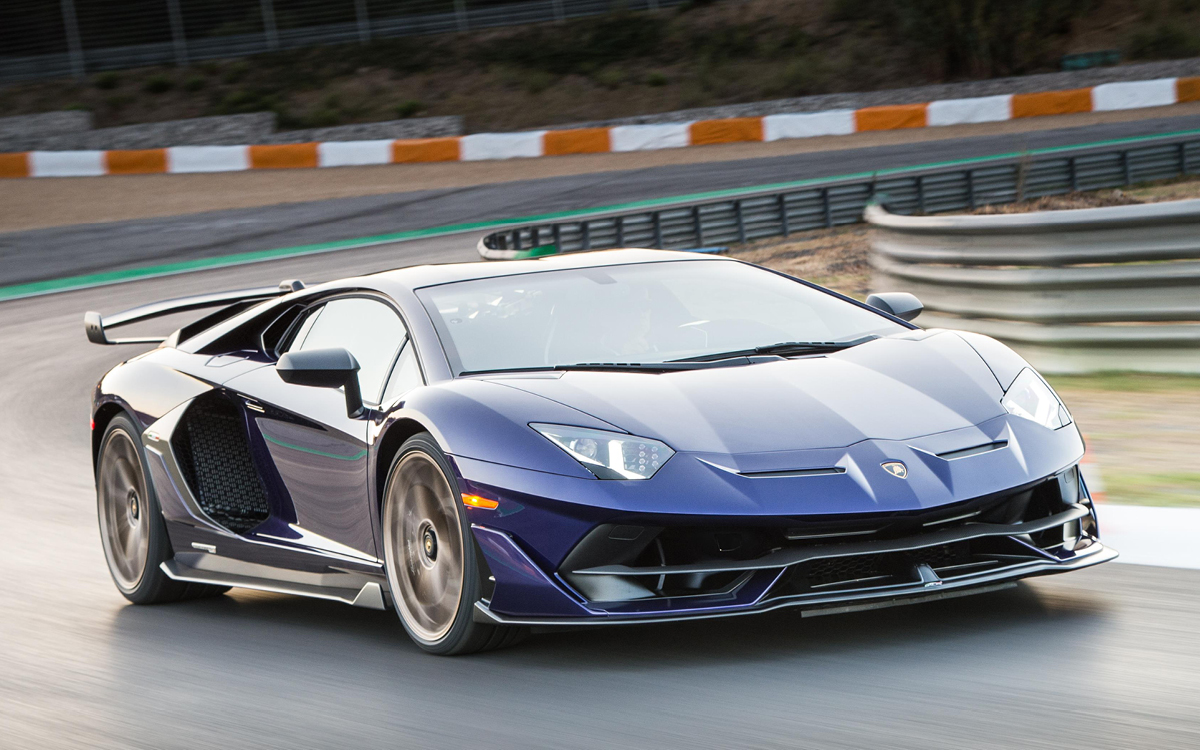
(97, 327)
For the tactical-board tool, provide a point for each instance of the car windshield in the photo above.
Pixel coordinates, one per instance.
(638, 313)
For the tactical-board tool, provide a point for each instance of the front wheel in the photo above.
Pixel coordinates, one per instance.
(432, 566)
(132, 529)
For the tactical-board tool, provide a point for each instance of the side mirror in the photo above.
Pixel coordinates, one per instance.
(324, 368)
(900, 304)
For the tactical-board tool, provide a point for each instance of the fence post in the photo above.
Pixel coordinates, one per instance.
(658, 238)
(269, 29)
(178, 39)
(74, 47)
(619, 225)
(1127, 176)
(558, 238)
(1183, 159)
(585, 235)
(1074, 173)
(920, 193)
(783, 217)
(825, 207)
(697, 226)
(364, 21)
(970, 175)
(460, 14)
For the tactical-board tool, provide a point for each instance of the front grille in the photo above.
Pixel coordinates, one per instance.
(214, 456)
(837, 569)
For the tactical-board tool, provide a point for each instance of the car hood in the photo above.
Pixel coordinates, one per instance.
(894, 388)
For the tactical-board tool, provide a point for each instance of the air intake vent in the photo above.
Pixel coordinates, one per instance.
(974, 450)
(214, 456)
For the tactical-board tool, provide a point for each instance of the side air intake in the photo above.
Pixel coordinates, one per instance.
(213, 453)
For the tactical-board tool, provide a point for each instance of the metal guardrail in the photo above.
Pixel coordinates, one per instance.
(76, 37)
(817, 204)
(1074, 291)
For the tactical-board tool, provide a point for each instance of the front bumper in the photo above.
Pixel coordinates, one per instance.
(818, 604)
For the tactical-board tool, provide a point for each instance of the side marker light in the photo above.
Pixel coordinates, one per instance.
(475, 501)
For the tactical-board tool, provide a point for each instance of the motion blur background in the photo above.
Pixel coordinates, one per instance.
(1108, 304)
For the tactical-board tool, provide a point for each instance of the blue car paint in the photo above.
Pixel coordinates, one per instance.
(907, 397)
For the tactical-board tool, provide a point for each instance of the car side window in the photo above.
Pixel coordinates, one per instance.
(367, 328)
(406, 375)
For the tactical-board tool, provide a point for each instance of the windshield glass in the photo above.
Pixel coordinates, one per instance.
(637, 313)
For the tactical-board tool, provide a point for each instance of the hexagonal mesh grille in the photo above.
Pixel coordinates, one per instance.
(214, 457)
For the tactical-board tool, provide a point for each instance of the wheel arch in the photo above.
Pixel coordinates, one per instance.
(389, 445)
(100, 421)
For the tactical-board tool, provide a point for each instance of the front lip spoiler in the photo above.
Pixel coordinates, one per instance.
(914, 593)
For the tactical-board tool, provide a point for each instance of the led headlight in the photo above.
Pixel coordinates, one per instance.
(608, 455)
(1031, 398)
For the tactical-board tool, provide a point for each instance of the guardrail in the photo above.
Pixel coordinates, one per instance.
(1074, 291)
(814, 204)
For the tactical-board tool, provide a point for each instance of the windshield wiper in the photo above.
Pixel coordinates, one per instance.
(682, 364)
(783, 349)
(649, 367)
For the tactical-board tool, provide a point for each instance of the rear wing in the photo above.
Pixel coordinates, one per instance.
(97, 327)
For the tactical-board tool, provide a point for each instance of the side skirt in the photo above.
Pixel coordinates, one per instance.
(352, 590)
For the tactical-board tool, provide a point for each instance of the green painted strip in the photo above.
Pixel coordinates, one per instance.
(87, 281)
(302, 449)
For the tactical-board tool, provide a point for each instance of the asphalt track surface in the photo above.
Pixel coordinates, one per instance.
(1102, 658)
(42, 254)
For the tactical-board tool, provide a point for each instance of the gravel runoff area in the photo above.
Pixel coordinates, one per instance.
(1141, 428)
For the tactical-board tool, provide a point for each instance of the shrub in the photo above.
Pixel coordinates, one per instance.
(107, 81)
(158, 84)
(194, 83)
(536, 81)
(235, 71)
(971, 37)
(610, 78)
(1164, 40)
(656, 79)
(409, 108)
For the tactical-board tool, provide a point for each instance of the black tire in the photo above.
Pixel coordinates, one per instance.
(132, 531)
(424, 527)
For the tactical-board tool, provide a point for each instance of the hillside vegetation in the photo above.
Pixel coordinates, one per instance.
(704, 53)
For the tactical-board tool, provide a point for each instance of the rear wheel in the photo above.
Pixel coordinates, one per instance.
(432, 565)
(132, 530)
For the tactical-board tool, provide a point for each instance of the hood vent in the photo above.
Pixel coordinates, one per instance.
(794, 473)
(974, 451)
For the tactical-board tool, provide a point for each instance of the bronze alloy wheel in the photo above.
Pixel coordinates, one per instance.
(434, 568)
(124, 510)
(424, 538)
(132, 530)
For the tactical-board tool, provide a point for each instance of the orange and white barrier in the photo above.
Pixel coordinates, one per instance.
(526, 144)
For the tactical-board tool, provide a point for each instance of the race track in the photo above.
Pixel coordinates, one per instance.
(40, 254)
(1104, 658)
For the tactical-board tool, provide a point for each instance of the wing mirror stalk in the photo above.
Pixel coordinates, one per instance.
(898, 304)
(324, 368)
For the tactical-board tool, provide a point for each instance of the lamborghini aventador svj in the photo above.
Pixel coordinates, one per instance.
(596, 438)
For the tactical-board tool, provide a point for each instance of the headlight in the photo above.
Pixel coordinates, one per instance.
(1031, 398)
(608, 455)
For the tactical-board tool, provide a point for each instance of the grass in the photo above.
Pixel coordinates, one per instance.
(1177, 489)
(1128, 382)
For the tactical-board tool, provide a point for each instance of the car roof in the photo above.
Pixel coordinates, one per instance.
(415, 277)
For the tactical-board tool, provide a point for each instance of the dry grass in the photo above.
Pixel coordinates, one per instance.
(705, 53)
